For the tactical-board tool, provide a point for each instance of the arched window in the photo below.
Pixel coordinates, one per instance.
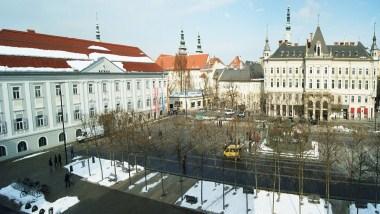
(42, 141)
(325, 105)
(21, 146)
(61, 137)
(78, 132)
(3, 151)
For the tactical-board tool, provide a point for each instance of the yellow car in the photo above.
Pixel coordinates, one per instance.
(232, 151)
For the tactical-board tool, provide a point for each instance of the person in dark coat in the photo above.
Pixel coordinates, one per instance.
(72, 152)
(67, 180)
(50, 165)
(59, 160)
(55, 161)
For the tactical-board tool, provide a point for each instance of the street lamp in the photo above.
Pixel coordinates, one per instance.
(63, 121)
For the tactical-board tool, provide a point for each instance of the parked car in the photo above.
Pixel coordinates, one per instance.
(241, 114)
(90, 133)
(233, 151)
(229, 112)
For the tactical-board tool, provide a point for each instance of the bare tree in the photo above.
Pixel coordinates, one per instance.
(231, 95)
(329, 147)
(180, 66)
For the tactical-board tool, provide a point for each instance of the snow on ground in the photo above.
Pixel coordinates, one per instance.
(235, 201)
(77, 157)
(59, 206)
(29, 156)
(369, 210)
(80, 168)
(310, 154)
(342, 129)
(152, 185)
(148, 177)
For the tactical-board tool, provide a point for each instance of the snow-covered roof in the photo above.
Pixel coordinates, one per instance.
(21, 50)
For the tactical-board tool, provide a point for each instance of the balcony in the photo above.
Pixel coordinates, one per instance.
(3, 127)
(20, 124)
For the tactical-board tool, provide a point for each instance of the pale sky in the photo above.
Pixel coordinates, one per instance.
(227, 27)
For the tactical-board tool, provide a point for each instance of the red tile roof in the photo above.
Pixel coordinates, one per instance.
(236, 63)
(36, 62)
(194, 61)
(31, 39)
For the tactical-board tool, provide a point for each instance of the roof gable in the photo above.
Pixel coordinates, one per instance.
(102, 65)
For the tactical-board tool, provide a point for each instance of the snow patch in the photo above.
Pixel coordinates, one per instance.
(29, 156)
(148, 177)
(342, 129)
(18, 51)
(371, 209)
(118, 58)
(79, 64)
(95, 47)
(59, 206)
(235, 201)
(35, 69)
(81, 168)
(152, 185)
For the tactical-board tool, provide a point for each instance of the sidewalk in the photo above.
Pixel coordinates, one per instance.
(93, 198)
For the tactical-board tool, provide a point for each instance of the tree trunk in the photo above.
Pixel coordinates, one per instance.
(88, 163)
(256, 188)
(146, 183)
(114, 165)
(100, 163)
(129, 170)
(202, 179)
(377, 176)
(162, 185)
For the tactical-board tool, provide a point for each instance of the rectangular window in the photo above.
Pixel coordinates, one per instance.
(271, 70)
(128, 86)
(346, 84)
(159, 84)
(359, 99)
(117, 86)
(318, 70)
(138, 85)
(296, 70)
(352, 99)
(20, 124)
(290, 70)
(90, 88)
(37, 91)
(325, 70)
(75, 89)
(278, 83)
(104, 87)
(366, 71)
(57, 90)
(199, 103)
(353, 71)
(278, 70)
(317, 83)
(192, 104)
(311, 70)
(290, 83)
(118, 108)
(92, 112)
(332, 70)
(148, 102)
(283, 83)
(139, 104)
(353, 84)
(360, 85)
(366, 85)
(283, 70)
(296, 83)
(310, 83)
(346, 71)
(325, 85)
(129, 105)
(271, 83)
(40, 120)
(59, 117)
(147, 84)
(340, 70)
(365, 99)
(332, 84)
(339, 84)
(77, 114)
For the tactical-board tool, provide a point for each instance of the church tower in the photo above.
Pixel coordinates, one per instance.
(199, 46)
(97, 32)
(288, 32)
(266, 52)
(375, 52)
(182, 45)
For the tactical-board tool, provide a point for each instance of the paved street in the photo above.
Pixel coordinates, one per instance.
(93, 198)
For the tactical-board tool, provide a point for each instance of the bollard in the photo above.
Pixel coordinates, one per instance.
(71, 168)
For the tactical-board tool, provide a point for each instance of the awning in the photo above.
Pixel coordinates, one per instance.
(352, 110)
(358, 110)
(365, 110)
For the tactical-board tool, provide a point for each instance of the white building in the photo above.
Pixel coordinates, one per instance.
(93, 77)
(245, 84)
(321, 81)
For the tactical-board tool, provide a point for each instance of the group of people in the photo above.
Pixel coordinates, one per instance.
(57, 162)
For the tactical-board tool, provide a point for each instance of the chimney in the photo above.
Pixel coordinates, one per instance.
(279, 42)
(30, 31)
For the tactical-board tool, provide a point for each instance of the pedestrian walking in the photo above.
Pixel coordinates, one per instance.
(184, 165)
(50, 165)
(67, 180)
(72, 152)
(55, 161)
(59, 160)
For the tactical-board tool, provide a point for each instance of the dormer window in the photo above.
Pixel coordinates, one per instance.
(318, 48)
